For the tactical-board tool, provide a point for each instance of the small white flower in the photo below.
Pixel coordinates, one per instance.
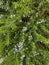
(24, 29)
(10, 43)
(20, 45)
(20, 21)
(14, 52)
(6, 50)
(42, 21)
(26, 48)
(29, 11)
(12, 15)
(15, 7)
(39, 22)
(28, 23)
(1, 15)
(33, 43)
(1, 3)
(14, 37)
(35, 53)
(32, 64)
(22, 57)
(24, 1)
(23, 15)
(4, 34)
(37, 14)
(15, 46)
(1, 60)
(31, 17)
(30, 37)
(21, 63)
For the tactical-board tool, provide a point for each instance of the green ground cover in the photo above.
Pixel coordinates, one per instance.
(24, 32)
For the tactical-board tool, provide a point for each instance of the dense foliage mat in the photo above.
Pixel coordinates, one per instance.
(24, 32)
